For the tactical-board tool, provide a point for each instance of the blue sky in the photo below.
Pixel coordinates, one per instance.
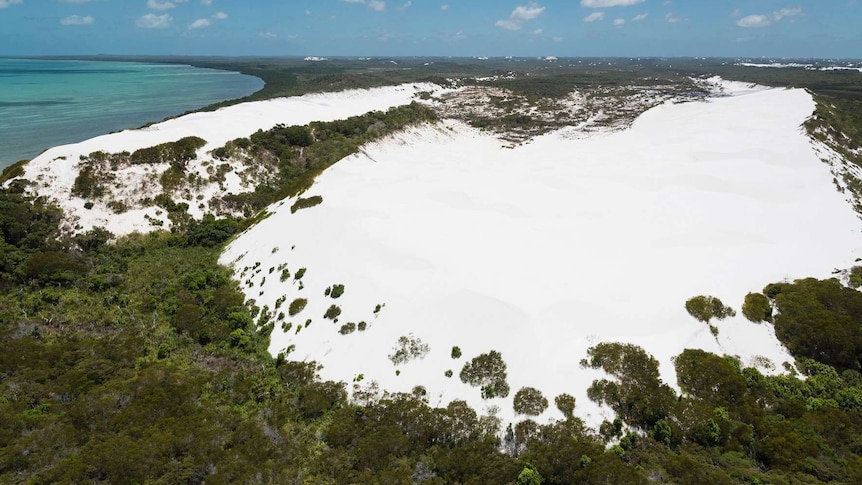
(744, 28)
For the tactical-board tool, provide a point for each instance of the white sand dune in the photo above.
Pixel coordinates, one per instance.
(542, 251)
(55, 169)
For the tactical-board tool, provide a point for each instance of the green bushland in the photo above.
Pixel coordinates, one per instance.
(176, 153)
(299, 159)
(336, 291)
(12, 171)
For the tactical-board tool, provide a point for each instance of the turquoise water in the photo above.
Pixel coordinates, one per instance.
(48, 103)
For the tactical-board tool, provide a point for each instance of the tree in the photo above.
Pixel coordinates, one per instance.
(530, 401)
(705, 308)
(487, 371)
(529, 476)
(757, 308)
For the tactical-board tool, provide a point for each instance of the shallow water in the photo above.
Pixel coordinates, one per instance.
(45, 103)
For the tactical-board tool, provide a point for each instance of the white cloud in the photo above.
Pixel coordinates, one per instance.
(220, 15)
(444, 7)
(159, 5)
(538, 32)
(208, 3)
(267, 35)
(75, 1)
(372, 4)
(507, 24)
(153, 21)
(9, 3)
(405, 5)
(639, 17)
(754, 21)
(619, 22)
(594, 16)
(521, 14)
(527, 12)
(786, 12)
(77, 20)
(671, 18)
(200, 24)
(609, 3)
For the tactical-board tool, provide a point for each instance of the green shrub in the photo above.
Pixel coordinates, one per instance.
(296, 306)
(456, 352)
(332, 312)
(347, 328)
(705, 308)
(757, 308)
(12, 171)
(407, 349)
(305, 203)
(337, 291)
(299, 274)
(530, 401)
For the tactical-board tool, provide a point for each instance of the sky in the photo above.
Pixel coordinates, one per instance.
(563, 28)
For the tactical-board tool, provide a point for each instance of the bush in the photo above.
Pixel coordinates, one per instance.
(456, 352)
(756, 308)
(347, 328)
(705, 308)
(332, 312)
(305, 203)
(530, 401)
(487, 371)
(407, 349)
(296, 306)
(337, 291)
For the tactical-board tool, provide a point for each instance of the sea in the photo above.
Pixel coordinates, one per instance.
(46, 103)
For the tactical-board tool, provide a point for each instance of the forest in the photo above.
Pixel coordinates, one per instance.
(137, 360)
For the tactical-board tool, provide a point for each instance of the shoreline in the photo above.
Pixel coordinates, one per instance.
(120, 119)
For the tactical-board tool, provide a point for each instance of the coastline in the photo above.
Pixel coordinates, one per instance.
(48, 105)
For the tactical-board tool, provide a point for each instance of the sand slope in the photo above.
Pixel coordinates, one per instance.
(541, 251)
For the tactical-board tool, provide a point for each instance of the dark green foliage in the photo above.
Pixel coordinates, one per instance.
(210, 231)
(820, 320)
(566, 404)
(332, 312)
(176, 153)
(299, 274)
(336, 291)
(347, 328)
(12, 171)
(487, 371)
(530, 401)
(305, 203)
(705, 308)
(456, 352)
(638, 396)
(757, 308)
(296, 306)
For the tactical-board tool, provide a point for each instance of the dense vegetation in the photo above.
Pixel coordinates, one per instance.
(299, 153)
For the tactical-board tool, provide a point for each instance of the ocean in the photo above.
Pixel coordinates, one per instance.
(45, 103)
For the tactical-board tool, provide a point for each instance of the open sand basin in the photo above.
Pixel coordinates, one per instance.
(542, 251)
